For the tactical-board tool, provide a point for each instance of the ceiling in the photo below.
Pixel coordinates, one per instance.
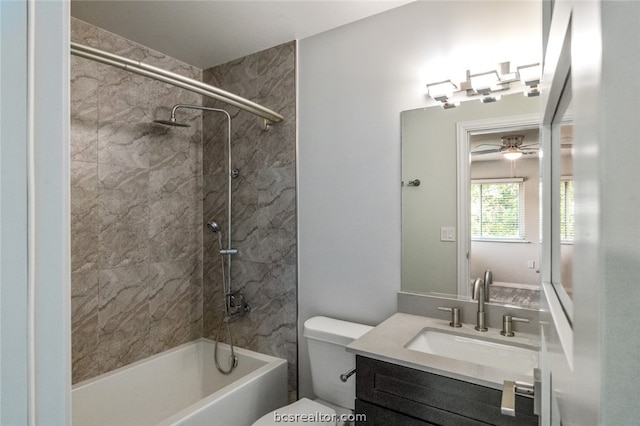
(210, 33)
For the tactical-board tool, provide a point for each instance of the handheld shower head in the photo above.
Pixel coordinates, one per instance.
(213, 227)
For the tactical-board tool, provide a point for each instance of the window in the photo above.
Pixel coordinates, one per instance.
(566, 209)
(497, 209)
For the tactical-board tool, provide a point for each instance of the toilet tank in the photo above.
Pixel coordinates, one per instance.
(327, 338)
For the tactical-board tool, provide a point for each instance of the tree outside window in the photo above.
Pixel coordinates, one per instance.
(497, 209)
(566, 210)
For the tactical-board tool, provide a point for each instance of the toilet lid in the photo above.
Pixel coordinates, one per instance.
(304, 411)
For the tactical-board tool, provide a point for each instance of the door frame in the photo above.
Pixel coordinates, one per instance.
(35, 221)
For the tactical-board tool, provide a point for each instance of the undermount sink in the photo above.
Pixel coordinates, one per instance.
(477, 351)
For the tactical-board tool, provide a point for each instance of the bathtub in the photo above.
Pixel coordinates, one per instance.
(182, 387)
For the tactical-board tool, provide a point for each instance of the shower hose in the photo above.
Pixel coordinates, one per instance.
(233, 360)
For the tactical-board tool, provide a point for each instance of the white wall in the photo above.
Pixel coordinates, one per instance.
(352, 84)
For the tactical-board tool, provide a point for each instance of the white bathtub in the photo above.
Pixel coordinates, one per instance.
(182, 387)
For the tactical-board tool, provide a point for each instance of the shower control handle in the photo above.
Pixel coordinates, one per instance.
(238, 305)
(228, 251)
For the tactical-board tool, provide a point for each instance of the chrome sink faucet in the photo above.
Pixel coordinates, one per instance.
(479, 287)
(488, 279)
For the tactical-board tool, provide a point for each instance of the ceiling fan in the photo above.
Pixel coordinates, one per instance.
(511, 147)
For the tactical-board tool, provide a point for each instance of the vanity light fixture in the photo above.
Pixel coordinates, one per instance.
(530, 77)
(529, 74)
(534, 91)
(489, 99)
(484, 85)
(485, 82)
(449, 105)
(442, 90)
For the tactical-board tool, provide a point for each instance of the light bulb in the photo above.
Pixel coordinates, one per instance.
(512, 153)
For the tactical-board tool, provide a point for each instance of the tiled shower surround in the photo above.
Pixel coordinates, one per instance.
(137, 234)
(264, 199)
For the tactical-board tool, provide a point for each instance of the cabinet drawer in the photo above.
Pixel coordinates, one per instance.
(438, 399)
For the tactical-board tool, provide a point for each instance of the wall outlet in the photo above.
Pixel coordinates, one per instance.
(447, 233)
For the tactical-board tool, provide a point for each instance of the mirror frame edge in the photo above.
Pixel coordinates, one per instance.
(556, 72)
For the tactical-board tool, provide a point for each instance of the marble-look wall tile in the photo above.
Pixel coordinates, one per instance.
(123, 317)
(84, 324)
(84, 216)
(172, 286)
(124, 215)
(175, 226)
(264, 199)
(84, 110)
(136, 202)
(84, 99)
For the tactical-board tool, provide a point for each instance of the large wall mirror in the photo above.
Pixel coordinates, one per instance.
(449, 239)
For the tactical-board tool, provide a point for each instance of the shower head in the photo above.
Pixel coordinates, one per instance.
(213, 227)
(171, 122)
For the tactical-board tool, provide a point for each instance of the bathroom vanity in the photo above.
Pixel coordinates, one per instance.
(414, 370)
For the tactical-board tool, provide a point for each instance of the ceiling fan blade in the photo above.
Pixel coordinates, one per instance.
(530, 146)
(488, 144)
(486, 151)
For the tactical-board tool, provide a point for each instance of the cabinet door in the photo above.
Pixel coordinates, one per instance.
(434, 398)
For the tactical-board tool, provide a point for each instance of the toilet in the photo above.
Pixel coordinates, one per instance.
(326, 338)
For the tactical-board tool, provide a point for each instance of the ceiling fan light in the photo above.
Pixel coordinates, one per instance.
(512, 153)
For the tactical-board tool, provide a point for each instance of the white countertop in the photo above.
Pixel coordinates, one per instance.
(387, 341)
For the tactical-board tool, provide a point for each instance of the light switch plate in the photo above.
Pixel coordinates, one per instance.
(447, 233)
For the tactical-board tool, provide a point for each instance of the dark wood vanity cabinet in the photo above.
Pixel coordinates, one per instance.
(393, 395)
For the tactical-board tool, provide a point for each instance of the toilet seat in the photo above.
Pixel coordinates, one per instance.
(302, 407)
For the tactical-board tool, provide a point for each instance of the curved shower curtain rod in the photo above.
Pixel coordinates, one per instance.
(178, 80)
